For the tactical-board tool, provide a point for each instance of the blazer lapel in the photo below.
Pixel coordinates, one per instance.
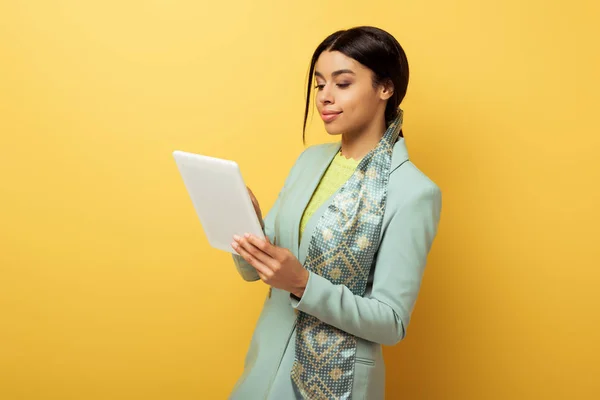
(306, 185)
(311, 176)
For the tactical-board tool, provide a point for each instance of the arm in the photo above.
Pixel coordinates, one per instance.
(246, 270)
(401, 259)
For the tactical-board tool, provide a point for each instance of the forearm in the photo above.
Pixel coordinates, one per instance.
(384, 315)
(336, 305)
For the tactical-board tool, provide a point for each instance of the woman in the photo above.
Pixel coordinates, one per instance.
(347, 238)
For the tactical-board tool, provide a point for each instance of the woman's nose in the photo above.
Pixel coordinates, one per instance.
(325, 95)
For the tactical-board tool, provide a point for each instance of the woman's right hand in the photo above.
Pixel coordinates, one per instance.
(256, 207)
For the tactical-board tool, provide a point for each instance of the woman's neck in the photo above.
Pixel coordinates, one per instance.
(356, 145)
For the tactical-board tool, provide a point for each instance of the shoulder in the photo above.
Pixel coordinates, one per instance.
(309, 156)
(407, 183)
(318, 150)
(314, 153)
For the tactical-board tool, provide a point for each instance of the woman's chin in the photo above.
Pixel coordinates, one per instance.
(333, 130)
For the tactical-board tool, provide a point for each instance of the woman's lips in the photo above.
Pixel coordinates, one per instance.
(330, 116)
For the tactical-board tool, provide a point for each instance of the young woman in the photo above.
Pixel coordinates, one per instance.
(348, 236)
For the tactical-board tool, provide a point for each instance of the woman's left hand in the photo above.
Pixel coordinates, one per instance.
(276, 266)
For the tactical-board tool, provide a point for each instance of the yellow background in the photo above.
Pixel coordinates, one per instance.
(108, 289)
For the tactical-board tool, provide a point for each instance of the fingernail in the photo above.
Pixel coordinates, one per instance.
(234, 245)
(236, 237)
(247, 235)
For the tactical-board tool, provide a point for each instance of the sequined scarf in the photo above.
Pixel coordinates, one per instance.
(342, 250)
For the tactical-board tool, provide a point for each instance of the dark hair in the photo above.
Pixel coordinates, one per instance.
(375, 49)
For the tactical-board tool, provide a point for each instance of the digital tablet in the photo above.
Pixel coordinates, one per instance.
(220, 198)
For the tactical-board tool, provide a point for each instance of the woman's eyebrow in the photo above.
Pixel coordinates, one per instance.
(336, 73)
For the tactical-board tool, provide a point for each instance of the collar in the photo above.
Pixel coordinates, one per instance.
(399, 152)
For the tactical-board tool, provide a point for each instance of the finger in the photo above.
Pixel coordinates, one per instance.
(262, 277)
(263, 245)
(255, 204)
(263, 270)
(257, 253)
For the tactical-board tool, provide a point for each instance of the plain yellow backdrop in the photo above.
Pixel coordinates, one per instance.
(108, 289)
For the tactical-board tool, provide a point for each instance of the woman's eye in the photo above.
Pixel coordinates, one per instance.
(340, 85)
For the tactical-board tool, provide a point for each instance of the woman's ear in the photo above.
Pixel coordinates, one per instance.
(386, 90)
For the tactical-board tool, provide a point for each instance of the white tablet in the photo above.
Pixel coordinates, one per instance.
(220, 198)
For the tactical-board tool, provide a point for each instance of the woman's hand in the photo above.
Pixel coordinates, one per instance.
(256, 208)
(276, 266)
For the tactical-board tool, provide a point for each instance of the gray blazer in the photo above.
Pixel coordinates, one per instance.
(379, 317)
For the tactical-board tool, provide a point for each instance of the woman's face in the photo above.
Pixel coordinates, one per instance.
(345, 97)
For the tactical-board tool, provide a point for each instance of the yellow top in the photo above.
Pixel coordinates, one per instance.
(338, 172)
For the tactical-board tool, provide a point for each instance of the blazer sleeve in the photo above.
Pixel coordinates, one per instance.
(246, 270)
(384, 315)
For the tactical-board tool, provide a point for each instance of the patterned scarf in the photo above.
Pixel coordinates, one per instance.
(342, 250)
